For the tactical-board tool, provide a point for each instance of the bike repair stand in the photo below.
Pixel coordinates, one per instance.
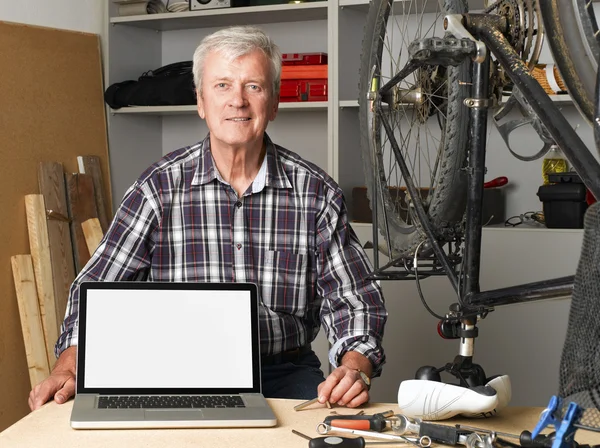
(462, 319)
(463, 368)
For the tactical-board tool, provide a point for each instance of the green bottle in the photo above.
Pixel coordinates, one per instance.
(554, 162)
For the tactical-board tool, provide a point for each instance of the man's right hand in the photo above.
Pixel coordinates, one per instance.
(60, 385)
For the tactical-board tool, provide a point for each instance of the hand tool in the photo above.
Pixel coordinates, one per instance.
(401, 424)
(333, 441)
(423, 442)
(497, 182)
(525, 438)
(376, 422)
(361, 412)
(447, 435)
(301, 406)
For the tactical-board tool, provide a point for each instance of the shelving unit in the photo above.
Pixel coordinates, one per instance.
(138, 136)
(216, 18)
(327, 133)
(192, 110)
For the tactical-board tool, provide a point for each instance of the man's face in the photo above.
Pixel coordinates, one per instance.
(237, 98)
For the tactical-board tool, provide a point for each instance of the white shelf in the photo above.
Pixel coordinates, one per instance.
(399, 8)
(190, 110)
(348, 103)
(559, 99)
(220, 17)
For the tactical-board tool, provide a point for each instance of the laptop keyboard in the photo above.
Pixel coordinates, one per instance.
(170, 402)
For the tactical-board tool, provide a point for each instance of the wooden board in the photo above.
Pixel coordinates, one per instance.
(42, 266)
(92, 232)
(52, 111)
(31, 322)
(52, 186)
(82, 206)
(91, 165)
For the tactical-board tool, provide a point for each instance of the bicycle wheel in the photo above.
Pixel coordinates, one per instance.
(428, 118)
(571, 33)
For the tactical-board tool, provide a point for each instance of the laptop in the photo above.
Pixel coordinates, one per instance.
(168, 355)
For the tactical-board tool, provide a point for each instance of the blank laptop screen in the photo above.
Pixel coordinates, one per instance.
(176, 339)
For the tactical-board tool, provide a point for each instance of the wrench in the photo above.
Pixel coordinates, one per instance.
(401, 425)
(423, 442)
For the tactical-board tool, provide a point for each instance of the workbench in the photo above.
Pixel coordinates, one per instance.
(49, 427)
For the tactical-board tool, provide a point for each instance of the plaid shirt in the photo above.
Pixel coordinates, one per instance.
(288, 233)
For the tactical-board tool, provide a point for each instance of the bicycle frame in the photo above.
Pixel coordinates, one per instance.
(488, 29)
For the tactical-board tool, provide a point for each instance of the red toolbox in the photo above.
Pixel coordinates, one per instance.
(304, 58)
(304, 71)
(294, 90)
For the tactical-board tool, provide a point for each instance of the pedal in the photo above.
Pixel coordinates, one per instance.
(442, 51)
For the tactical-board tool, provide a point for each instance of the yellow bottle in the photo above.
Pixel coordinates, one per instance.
(554, 162)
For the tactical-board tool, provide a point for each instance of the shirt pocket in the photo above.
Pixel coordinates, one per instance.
(283, 283)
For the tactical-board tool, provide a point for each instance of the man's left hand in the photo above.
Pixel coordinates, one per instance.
(345, 386)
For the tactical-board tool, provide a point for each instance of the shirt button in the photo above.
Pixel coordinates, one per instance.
(239, 246)
(238, 204)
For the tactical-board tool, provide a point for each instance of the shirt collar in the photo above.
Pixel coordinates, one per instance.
(271, 173)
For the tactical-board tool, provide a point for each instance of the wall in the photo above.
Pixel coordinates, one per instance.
(76, 15)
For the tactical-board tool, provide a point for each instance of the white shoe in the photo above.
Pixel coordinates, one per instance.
(433, 400)
(501, 384)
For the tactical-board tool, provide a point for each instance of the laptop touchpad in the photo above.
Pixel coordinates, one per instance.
(173, 414)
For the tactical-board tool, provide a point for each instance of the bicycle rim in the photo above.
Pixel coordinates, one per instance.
(432, 134)
(571, 27)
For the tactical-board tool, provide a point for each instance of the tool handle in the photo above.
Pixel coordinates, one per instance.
(540, 441)
(365, 422)
(338, 442)
(448, 435)
(497, 182)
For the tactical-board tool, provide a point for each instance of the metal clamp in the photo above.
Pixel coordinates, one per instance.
(477, 102)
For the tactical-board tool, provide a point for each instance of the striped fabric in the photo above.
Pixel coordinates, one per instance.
(288, 233)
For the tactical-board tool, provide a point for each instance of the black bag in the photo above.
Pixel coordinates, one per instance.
(171, 85)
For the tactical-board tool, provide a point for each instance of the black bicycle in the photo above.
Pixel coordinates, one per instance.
(430, 72)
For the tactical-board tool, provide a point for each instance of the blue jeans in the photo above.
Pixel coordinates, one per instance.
(293, 380)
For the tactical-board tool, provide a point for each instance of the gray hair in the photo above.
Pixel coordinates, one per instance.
(234, 42)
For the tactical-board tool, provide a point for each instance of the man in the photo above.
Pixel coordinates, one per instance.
(234, 208)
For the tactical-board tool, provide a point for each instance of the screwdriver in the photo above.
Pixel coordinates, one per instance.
(376, 422)
(332, 441)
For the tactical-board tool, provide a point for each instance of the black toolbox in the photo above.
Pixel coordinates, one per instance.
(564, 201)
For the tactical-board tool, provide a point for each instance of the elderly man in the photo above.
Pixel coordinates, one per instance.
(238, 208)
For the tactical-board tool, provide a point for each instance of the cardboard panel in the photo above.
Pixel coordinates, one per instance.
(52, 111)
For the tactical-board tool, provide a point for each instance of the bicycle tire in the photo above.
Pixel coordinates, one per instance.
(446, 204)
(570, 31)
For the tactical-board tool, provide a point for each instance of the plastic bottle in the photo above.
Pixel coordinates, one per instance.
(554, 162)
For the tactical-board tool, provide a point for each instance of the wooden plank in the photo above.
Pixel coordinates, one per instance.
(42, 262)
(52, 186)
(82, 206)
(31, 321)
(93, 233)
(91, 165)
